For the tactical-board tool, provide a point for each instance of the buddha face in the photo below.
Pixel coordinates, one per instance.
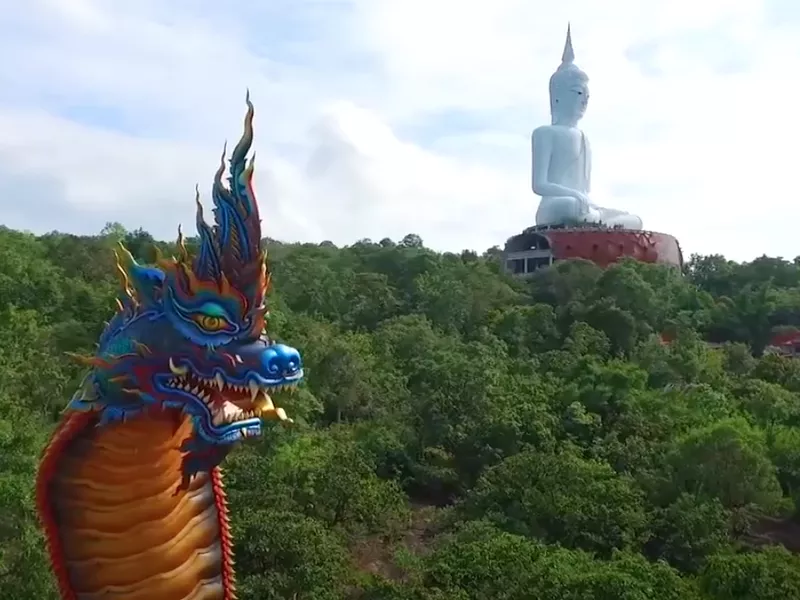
(579, 96)
(569, 96)
(572, 101)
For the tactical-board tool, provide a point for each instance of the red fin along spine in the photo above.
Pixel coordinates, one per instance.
(63, 435)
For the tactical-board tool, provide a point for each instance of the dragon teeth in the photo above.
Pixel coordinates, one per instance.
(229, 413)
(175, 369)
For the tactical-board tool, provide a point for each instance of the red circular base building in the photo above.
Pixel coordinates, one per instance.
(538, 247)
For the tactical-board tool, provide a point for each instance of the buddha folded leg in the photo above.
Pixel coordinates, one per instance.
(564, 210)
(619, 218)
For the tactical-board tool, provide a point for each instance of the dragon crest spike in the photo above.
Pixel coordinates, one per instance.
(183, 253)
(83, 359)
(129, 261)
(233, 245)
(207, 264)
(221, 169)
(123, 275)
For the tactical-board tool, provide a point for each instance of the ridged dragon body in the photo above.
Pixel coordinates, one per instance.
(129, 489)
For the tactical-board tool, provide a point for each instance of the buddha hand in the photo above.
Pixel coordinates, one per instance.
(584, 203)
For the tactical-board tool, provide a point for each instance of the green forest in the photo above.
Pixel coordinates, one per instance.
(586, 434)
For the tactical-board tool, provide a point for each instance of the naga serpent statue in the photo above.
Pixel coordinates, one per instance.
(129, 489)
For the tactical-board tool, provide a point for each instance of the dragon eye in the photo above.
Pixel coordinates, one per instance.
(210, 323)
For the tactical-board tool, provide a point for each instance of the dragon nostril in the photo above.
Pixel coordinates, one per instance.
(282, 360)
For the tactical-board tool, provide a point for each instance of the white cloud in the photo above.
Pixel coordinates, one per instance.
(377, 118)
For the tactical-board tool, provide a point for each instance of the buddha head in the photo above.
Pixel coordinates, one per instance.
(569, 88)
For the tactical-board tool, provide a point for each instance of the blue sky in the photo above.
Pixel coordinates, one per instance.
(377, 118)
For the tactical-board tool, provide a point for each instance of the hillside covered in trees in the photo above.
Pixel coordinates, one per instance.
(461, 435)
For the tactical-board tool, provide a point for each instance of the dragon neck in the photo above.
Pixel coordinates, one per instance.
(116, 517)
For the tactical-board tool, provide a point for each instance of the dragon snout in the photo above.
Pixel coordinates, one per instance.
(281, 361)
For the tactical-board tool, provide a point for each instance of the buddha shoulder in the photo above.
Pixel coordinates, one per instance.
(550, 132)
(543, 133)
(547, 134)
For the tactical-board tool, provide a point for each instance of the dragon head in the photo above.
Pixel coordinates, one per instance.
(189, 334)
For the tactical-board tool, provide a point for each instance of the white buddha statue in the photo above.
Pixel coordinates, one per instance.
(562, 158)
